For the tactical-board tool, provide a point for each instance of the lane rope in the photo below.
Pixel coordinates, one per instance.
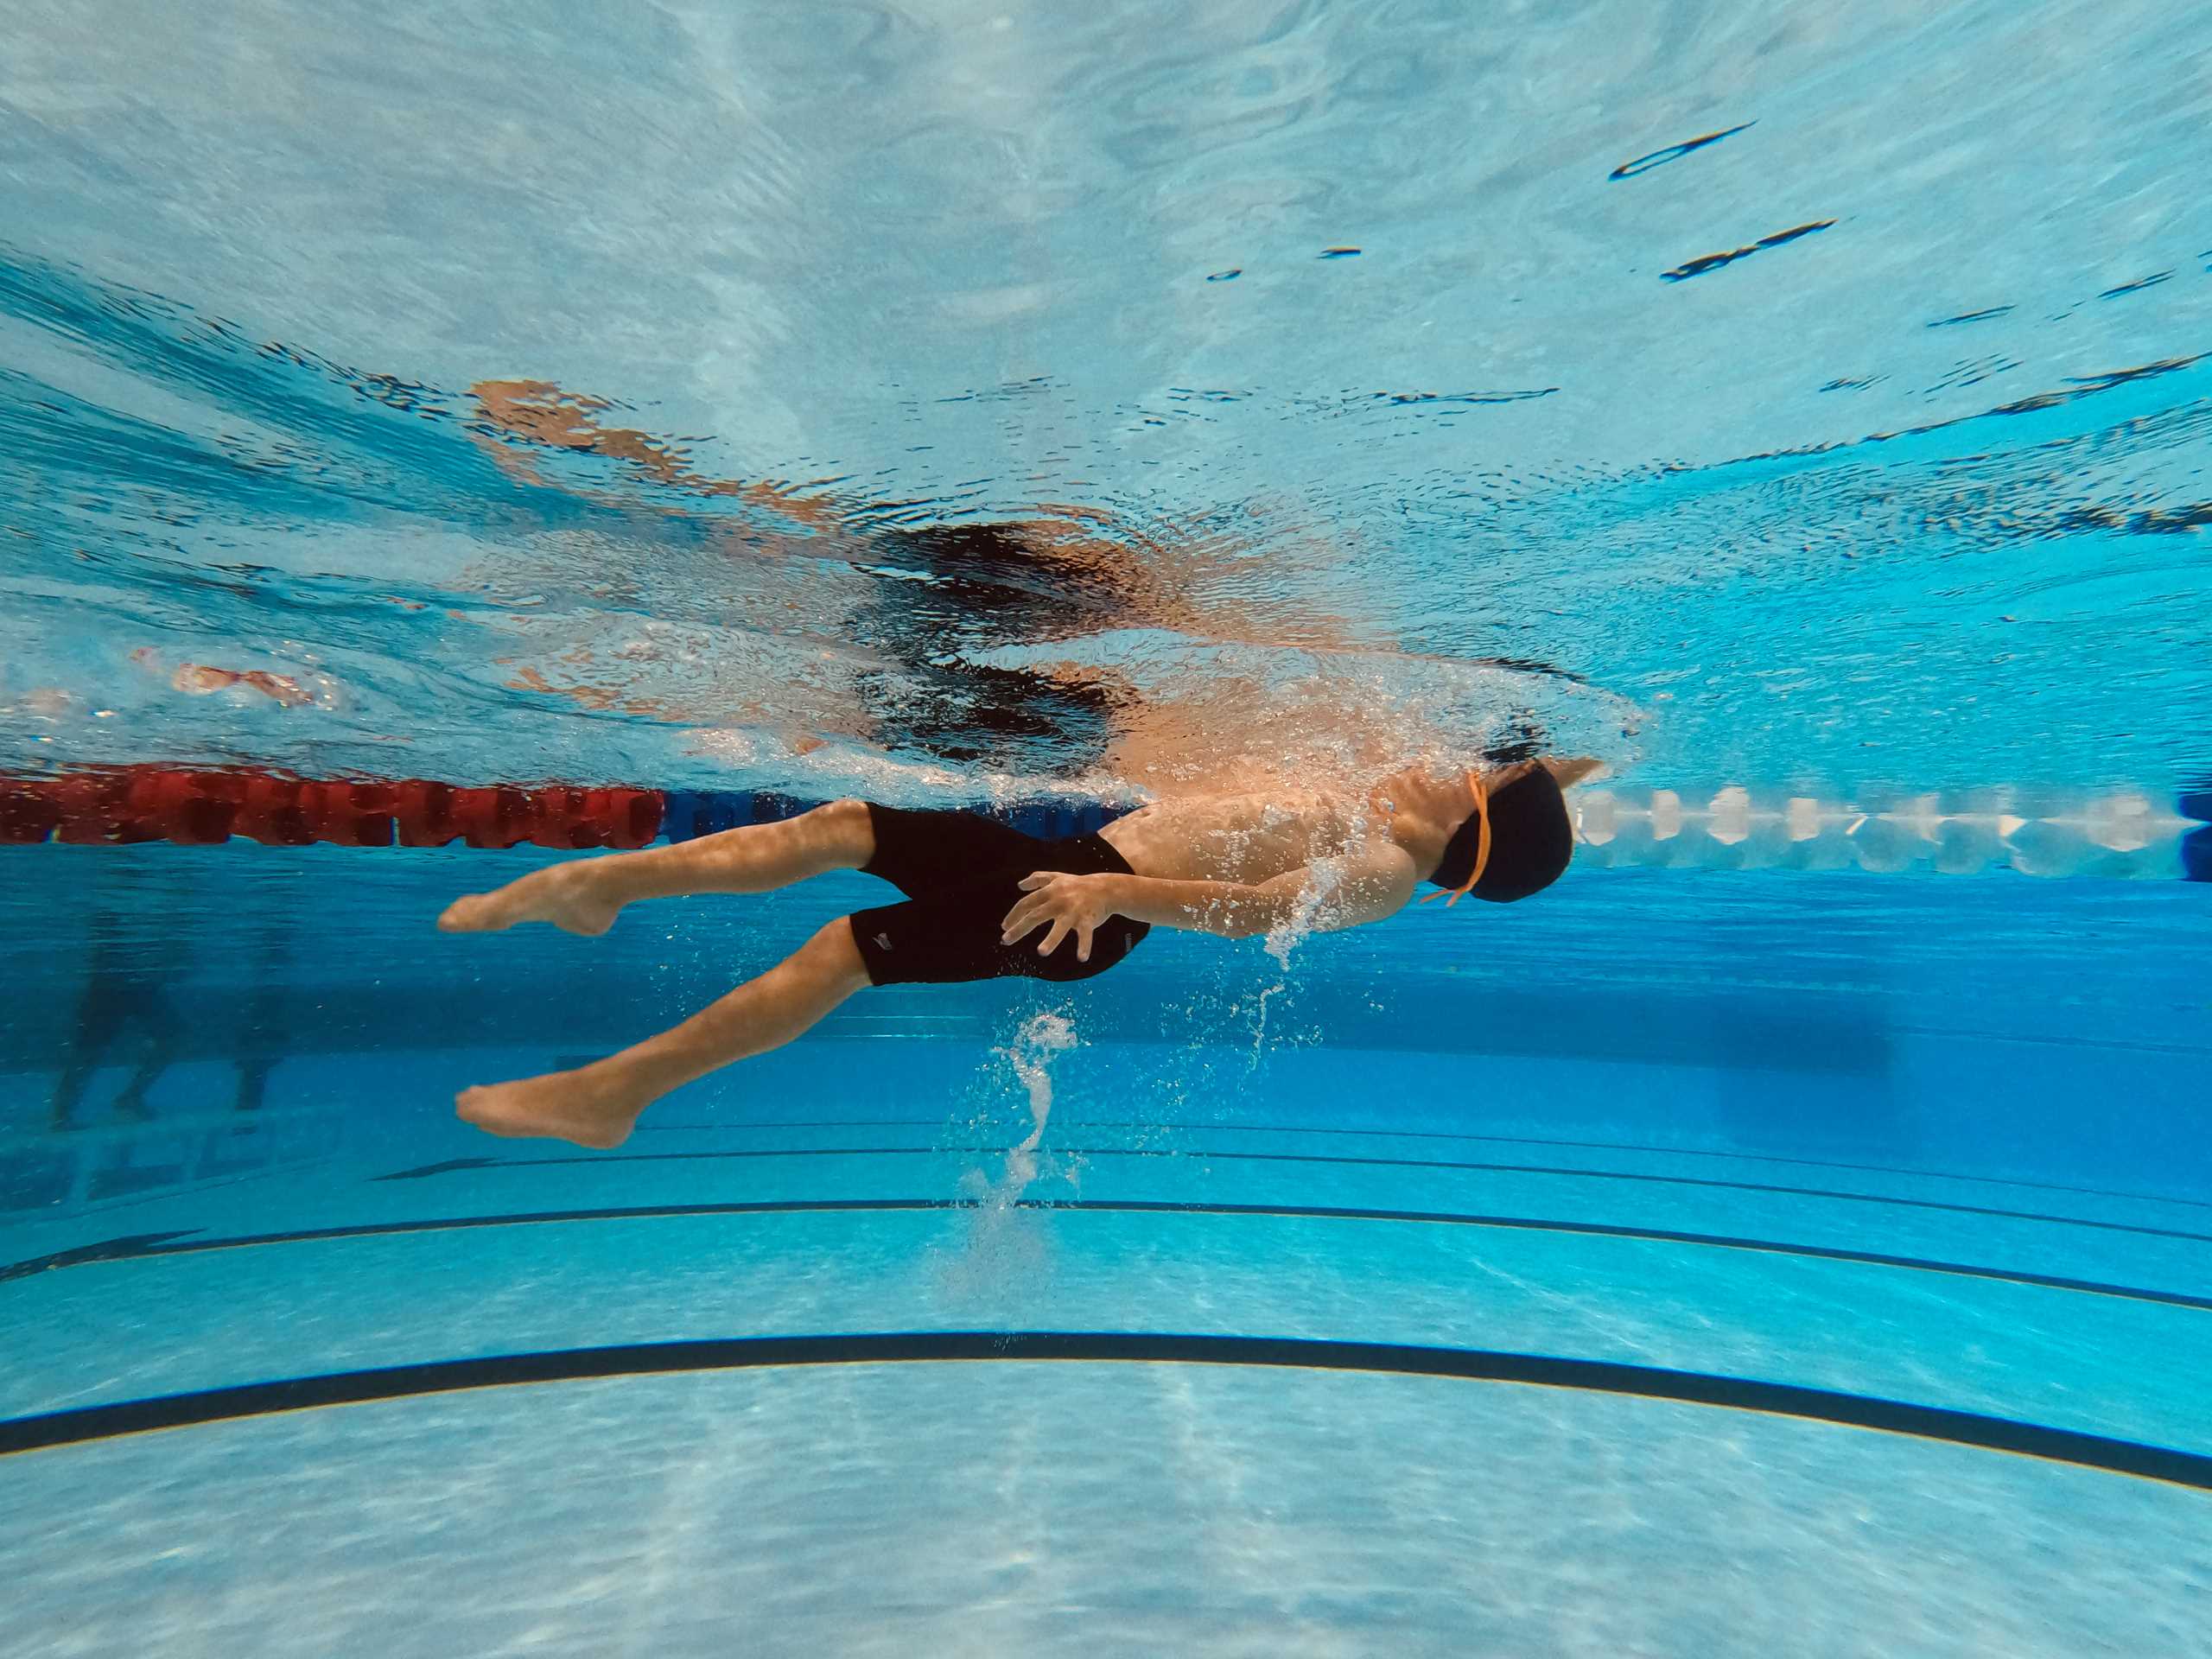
(2126, 833)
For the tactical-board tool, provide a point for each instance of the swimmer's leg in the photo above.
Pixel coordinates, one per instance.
(584, 895)
(596, 1105)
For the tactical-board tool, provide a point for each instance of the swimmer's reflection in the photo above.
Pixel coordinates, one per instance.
(125, 1012)
(941, 601)
(261, 1037)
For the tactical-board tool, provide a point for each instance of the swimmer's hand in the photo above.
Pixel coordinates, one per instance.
(1072, 903)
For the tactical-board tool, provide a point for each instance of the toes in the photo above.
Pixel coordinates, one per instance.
(476, 913)
(480, 1106)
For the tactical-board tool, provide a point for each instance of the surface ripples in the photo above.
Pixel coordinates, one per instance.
(848, 406)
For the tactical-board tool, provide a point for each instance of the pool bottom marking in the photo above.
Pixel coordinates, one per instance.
(88, 1424)
(1222, 1155)
(752, 1126)
(151, 1247)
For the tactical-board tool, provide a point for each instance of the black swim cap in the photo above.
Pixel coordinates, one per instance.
(1531, 838)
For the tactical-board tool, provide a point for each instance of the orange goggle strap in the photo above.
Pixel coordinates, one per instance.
(1482, 846)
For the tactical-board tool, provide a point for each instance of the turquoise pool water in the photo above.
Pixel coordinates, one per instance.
(1791, 1233)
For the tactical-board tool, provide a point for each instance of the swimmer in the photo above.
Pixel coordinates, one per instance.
(984, 900)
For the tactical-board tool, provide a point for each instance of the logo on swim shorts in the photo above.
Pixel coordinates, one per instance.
(883, 941)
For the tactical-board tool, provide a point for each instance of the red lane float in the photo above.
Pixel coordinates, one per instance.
(27, 814)
(203, 806)
(200, 808)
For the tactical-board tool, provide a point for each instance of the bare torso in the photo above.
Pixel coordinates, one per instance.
(1248, 838)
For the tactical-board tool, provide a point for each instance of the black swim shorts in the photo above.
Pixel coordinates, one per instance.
(961, 873)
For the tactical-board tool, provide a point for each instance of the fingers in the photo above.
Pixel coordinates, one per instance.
(1022, 920)
(1045, 900)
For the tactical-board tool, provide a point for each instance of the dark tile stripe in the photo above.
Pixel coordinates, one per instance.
(85, 1424)
(161, 1244)
(126, 1249)
(1205, 1155)
(755, 1126)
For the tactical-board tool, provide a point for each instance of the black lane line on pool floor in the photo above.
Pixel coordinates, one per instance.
(85, 1423)
(148, 1246)
(757, 1126)
(503, 1166)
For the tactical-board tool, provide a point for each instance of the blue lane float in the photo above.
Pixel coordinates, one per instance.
(2196, 845)
(688, 814)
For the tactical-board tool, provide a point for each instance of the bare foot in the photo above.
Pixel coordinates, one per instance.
(570, 1106)
(571, 896)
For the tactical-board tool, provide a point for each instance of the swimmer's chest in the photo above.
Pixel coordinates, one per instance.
(1237, 838)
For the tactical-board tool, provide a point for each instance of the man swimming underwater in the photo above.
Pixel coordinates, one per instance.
(978, 892)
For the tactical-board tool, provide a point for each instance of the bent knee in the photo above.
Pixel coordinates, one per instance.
(846, 827)
(837, 835)
(834, 953)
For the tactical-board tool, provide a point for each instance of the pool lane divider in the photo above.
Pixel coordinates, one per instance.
(86, 1424)
(157, 1245)
(2196, 804)
(128, 805)
(2124, 834)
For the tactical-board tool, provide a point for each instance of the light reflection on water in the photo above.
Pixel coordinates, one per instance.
(661, 438)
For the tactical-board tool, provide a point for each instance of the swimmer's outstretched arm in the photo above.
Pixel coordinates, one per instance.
(1323, 897)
